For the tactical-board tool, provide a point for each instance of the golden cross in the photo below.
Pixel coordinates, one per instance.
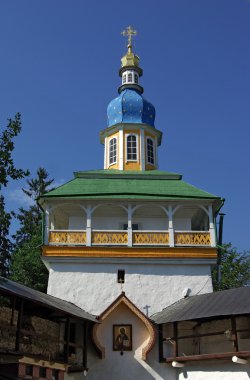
(129, 32)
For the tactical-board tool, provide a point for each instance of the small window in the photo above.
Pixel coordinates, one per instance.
(121, 276)
(131, 148)
(150, 151)
(112, 151)
(29, 370)
(42, 372)
(124, 78)
(55, 374)
(129, 77)
(135, 227)
(136, 78)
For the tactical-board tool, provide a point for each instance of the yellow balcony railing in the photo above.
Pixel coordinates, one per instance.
(150, 238)
(139, 238)
(65, 237)
(109, 237)
(186, 238)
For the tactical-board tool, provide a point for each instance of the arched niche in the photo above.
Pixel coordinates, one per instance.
(68, 216)
(191, 218)
(123, 312)
(150, 217)
(109, 217)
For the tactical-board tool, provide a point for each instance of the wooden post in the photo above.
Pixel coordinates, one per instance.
(160, 344)
(234, 334)
(19, 325)
(175, 345)
(66, 346)
(84, 352)
(13, 311)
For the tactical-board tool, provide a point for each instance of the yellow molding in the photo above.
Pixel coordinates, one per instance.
(150, 252)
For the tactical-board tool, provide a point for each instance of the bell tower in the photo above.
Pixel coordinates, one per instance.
(130, 140)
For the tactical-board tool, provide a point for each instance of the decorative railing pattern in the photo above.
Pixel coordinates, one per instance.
(109, 238)
(120, 237)
(150, 238)
(67, 237)
(185, 238)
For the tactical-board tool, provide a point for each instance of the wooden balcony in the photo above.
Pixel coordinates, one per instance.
(123, 238)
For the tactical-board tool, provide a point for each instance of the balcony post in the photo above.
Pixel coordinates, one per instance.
(130, 232)
(88, 226)
(211, 226)
(170, 226)
(46, 229)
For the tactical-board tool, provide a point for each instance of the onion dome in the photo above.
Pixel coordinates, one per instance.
(130, 107)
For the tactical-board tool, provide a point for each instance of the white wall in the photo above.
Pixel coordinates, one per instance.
(117, 222)
(77, 223)
(93, 285)
(214, 370)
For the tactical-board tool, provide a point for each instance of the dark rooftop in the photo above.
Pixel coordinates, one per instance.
(45, 300)
(218, 304)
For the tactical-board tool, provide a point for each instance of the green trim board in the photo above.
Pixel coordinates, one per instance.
(118, 184)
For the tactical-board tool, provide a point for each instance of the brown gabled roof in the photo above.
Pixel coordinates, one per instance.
(44, 300)
(218, 304)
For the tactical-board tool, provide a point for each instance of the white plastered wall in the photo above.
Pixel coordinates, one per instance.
(151, 285)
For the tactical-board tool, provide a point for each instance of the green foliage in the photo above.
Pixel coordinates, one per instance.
(31, 220)
(5, 243)
(27, 266)
(7, 167)
(235, 269)
(7, 171)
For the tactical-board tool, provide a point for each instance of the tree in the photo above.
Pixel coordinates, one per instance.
(5, 243)
(31, 219)
(26, 264)
(7, 171)
(7, 167)
(234, 268)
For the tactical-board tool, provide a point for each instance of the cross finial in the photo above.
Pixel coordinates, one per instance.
(121, 283)
(129, 32)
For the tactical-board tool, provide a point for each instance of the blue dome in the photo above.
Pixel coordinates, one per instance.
(130, 107)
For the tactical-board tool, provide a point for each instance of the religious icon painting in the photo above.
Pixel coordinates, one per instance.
(122, 338)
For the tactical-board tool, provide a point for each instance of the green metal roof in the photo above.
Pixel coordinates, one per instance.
(118, 184)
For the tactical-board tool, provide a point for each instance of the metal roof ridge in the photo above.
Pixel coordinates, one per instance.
(124, 174)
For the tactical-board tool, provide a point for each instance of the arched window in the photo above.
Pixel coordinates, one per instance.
(124, 78)
(112, 151)
(130, 77)
(150, 151)
(131, 148)
(136, 78)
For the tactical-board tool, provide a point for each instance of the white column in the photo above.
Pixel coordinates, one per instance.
(211, 226)
(130, 232)
(170, 226)
(105, 152)
(88, 226)
(142, 148)
(46, 229)
(156, 153)
(120, 150)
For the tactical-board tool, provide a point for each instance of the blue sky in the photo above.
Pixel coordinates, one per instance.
(59, 69)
